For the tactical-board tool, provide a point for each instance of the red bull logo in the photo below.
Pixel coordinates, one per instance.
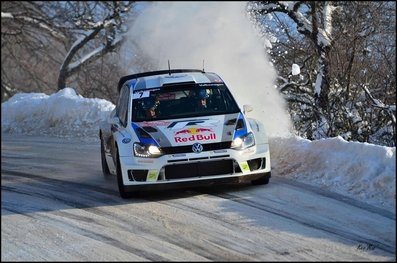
(196, 137)
(195, 134)
(193, 131)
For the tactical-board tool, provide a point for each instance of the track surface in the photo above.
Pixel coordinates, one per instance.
(57, 205)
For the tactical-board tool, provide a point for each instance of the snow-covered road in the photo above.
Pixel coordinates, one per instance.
(57, 205)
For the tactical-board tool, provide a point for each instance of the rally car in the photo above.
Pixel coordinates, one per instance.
(181, 127)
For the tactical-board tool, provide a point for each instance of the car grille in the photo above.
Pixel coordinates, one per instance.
(197, 169)
(188, 148)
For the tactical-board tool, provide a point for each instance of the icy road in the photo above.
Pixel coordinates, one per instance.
(57, 205)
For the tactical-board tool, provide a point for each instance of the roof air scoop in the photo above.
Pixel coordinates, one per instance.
(176, 78)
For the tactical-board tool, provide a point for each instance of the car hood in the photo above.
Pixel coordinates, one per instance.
(180, 132)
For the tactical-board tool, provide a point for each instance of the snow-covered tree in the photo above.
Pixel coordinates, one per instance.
(71, 34)
(345, 53)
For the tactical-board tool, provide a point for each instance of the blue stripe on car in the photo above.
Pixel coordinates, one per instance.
(142, 140)
(131, 83)
(243, 131)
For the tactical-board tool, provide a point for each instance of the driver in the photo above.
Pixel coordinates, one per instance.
(202, 100)
(152, 107)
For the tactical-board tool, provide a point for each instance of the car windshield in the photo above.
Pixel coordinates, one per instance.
(182, 101)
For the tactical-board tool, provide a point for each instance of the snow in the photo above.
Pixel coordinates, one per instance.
(328, 10)
(317, 88)
(296, 70)
(6, 15)
(34, 21)
(62, 114)
(362, 171)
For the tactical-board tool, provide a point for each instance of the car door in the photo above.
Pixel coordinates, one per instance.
(122, 115)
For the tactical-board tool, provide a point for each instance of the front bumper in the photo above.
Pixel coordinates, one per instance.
(193, 169)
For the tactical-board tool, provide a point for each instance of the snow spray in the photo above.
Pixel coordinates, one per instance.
(220, 35)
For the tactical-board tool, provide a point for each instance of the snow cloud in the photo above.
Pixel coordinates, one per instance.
(186, 33)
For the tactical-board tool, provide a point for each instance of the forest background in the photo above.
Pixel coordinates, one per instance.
(335, 61)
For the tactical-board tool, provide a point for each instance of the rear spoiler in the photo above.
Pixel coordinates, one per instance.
(153, 73)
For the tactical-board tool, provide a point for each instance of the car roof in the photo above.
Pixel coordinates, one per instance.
(155, 79)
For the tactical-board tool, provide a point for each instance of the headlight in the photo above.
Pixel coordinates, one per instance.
(146, 151)
(243, 142)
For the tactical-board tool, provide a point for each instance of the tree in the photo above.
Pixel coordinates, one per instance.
(69, 35)
(106, 26)
(346, 54)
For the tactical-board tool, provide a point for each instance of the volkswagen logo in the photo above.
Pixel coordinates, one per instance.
(197, 148)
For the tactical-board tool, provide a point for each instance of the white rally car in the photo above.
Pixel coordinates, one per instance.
(181, 127)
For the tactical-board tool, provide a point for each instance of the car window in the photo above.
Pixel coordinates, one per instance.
(123, 105)
(118, 104)
(182, 101)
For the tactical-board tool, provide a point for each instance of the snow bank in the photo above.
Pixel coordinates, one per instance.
(362, 171)
(62, 114)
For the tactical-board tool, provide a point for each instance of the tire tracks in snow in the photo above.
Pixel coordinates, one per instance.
(68, 193)
(304, 221)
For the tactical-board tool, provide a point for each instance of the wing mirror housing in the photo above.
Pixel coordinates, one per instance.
(247, 108)
(114, 120)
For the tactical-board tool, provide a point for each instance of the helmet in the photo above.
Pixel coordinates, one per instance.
(149, 102)
(203, 94)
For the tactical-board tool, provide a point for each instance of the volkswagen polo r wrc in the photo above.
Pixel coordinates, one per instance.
(181, 127)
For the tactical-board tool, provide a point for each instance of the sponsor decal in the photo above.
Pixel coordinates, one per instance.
(202, 123)
(166, 96)
(194, 134)
(211, 84)
(141, 94)
(245, 168)
(126, 140)
(176, 76)
(152, 175)
(154, 123)
(193, 131)
(145, 161)
(198, 137)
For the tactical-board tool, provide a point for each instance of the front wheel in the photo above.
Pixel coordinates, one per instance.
(262, 180)
(105, 167)
(120, 183)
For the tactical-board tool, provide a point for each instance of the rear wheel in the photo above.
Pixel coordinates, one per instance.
(262, 180)
(105, 167)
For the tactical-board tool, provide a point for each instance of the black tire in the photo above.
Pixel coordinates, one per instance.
(262, 180)
(120, 183)
(105, 167)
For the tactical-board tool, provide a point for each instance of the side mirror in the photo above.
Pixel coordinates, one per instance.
(114, 120)
(247, 108)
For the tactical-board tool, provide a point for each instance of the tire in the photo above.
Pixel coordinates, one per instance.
(262, 180)
(105, 167)
(120, 183)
